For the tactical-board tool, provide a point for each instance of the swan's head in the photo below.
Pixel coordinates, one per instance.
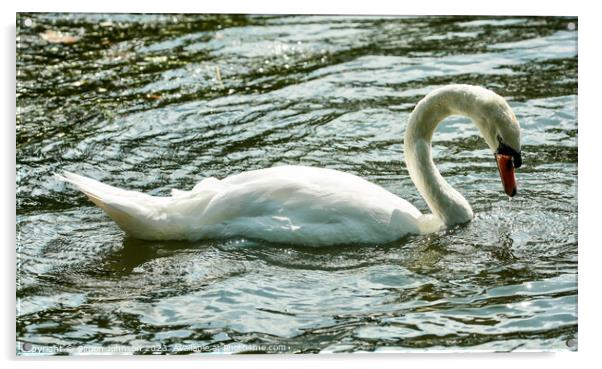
(489, 111)
(502, 133)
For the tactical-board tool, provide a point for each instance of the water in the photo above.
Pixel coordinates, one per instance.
(154, 102)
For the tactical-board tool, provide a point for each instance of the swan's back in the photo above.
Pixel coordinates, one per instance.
(288, 204)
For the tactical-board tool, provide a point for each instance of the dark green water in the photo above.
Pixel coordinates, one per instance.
(153, 102)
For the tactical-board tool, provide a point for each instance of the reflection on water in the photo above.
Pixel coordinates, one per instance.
(155, 102)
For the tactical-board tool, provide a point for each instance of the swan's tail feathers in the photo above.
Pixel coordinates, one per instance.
(134, 212)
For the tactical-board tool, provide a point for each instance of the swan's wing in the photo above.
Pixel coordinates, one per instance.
(179, 193)
(301, 205)
(307, 205)
(145, 216)
(94, 188)
(311, 188)
(210, 184)
(134, 212)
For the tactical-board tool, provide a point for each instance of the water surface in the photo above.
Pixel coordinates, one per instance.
(155, 102)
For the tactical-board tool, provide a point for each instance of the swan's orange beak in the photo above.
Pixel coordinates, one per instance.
(506, 168)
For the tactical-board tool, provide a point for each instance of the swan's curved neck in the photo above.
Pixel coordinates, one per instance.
(444, 201)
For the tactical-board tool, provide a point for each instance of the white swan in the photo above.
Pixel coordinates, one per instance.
(316, 206)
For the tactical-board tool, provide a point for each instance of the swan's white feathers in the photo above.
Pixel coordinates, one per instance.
(136, 213)
(288, 204)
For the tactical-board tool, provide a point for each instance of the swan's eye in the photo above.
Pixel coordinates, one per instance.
(507, 150)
